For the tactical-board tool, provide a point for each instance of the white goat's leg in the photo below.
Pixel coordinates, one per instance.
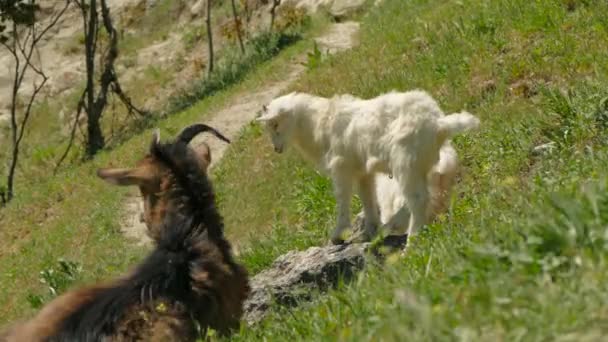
(367, 193)
(416, 193)
(399, 222)
(343, 185)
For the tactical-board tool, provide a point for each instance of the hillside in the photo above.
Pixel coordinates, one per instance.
(521, 254)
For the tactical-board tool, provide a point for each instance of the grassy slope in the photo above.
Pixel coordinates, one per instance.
(74, 215)
(523, 251)
(487, 271)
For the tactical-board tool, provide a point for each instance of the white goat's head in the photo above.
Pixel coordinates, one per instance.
(278, 119)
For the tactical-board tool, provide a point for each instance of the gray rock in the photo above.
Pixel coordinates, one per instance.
(544, 149)
(294, 276)
(337, 8)
(345, 7)
(151, 4)
(197, 8)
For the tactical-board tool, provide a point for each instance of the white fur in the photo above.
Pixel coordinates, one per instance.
(353, 139)
(441, 179)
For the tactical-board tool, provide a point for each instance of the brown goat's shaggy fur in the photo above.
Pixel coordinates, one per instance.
(190, 278)
(185, 281)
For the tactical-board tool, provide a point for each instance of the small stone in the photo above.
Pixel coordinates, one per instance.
(488, 87)
(544, 149)
(197, 8)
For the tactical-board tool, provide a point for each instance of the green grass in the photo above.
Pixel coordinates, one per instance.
(293, 211)
(75, 216)
(522, 253)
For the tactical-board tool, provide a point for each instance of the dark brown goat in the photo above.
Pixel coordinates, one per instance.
(156, 176)
(189, 279)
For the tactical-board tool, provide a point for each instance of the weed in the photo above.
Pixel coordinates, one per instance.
(291, 19)
(313, 58)
(57, 280)
(194, 36)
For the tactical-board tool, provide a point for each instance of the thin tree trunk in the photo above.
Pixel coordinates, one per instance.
(273, 9)
(15, 150)
(94, 102)
(246, 11)
(237, 25)
(209, 39)
(95, 139)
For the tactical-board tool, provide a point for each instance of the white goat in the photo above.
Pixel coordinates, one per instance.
(352, 139)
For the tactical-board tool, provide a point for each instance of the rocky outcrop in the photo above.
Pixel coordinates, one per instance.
(337, 8)
(295, 276)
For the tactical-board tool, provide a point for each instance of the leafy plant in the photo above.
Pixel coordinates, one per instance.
(57, 280)
(314, 57)
(291, 18)
(193, 36)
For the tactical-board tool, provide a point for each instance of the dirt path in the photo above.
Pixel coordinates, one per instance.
(233, 118)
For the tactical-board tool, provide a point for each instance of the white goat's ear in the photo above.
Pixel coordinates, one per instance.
(262, 112)
(263, 118)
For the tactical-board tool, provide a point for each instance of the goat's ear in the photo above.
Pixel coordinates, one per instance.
(203, 154)
(119, 176)
(261, 113)
(262, 118)
(269, 117)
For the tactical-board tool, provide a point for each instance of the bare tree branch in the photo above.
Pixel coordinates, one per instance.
(79, 109)
(209, 38)
(237, 26)
(22, 48)
(273, 9)
(127, 100)
(96, 100)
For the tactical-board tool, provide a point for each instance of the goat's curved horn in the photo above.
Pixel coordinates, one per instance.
(188, 133)
(155, 139)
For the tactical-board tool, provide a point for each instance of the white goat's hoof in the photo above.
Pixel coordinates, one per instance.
(337, 241)
(365, 236)
(404, 250)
